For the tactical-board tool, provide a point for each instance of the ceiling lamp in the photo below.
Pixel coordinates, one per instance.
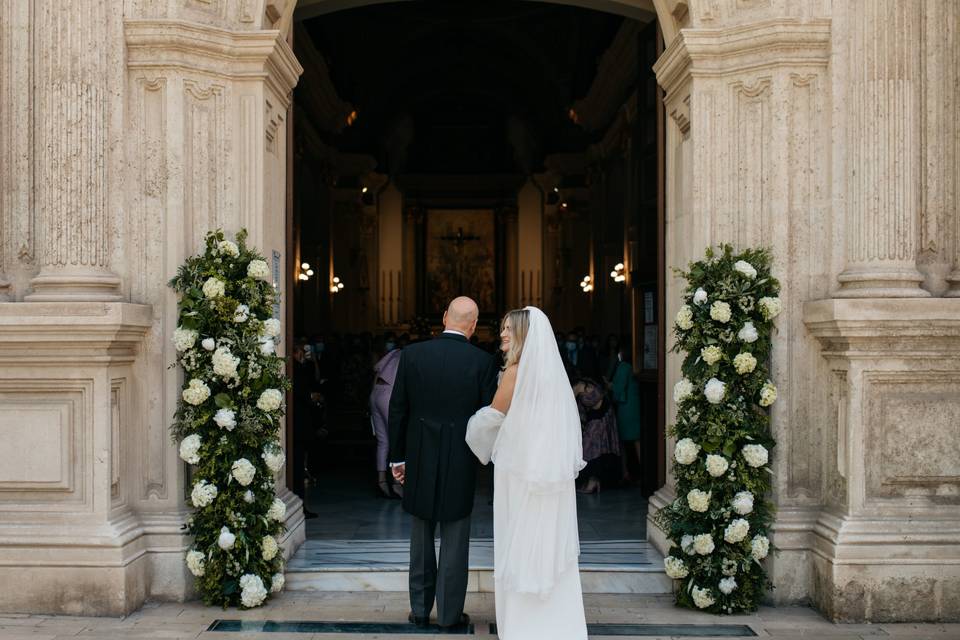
(586, 284)
(351, 118)
(336, 286)
(617, 274)
(305, 271)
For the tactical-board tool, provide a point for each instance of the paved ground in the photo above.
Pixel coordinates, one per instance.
(192, 620)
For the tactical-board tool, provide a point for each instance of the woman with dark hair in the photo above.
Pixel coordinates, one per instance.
(626, 398)
(601, 442)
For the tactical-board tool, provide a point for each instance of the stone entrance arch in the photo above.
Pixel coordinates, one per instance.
(786, 128)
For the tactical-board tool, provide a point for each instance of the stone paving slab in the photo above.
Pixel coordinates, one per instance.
(192, 619)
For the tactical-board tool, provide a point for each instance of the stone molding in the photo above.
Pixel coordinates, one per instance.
(193, 47)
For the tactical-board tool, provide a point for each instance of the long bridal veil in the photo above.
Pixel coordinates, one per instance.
(539, 448)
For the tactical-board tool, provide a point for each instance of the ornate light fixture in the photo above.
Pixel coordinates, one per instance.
(586, 284)
(305, 271)
(617, 274)
(335, 285)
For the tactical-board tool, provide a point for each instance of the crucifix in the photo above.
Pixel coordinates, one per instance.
(459, 240)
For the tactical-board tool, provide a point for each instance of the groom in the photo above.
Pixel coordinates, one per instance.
(440, 384)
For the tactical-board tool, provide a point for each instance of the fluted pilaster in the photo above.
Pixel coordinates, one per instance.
(883, 143)
(71, 102)
(942, 42)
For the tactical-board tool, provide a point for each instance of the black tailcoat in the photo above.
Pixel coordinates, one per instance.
(440, 384)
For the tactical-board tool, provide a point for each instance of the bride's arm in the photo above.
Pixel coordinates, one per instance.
(501, 401)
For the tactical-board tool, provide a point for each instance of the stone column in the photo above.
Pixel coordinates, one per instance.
(71, 103)
(882, 146)
(530, 238)
(390, 239)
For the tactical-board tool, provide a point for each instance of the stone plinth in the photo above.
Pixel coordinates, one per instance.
(886, 545)
(69, 538)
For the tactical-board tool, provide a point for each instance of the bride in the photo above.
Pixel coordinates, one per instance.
(532, 433)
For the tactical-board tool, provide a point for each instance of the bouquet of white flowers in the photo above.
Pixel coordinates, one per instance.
(233, 400)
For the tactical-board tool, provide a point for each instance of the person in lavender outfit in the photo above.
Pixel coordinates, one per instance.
(384, 374)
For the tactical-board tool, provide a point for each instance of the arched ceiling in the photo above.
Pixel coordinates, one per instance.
(475, 80)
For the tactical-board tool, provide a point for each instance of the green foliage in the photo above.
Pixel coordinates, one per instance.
(723, 428)
(250, 337)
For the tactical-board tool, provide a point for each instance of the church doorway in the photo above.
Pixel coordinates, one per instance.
(507, 150)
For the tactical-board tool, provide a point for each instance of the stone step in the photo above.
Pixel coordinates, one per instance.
(606, 566)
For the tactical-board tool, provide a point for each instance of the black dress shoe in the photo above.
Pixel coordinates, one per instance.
(462, 622)
(417, 620)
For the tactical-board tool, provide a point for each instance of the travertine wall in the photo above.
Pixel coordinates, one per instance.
(826, 130)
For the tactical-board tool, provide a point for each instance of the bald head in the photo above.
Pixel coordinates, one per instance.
(462, 316)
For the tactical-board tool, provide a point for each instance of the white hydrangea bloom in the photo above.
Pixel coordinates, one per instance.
(196, 392)
(271, 327)
(736, 530)
(277, 510)
(267, 346)
(209, 344)
(214, 288)
(225, 419)
(698, 501)
(277, 582)
(183, 339)
(770, 308)
(248, 497)
(748, 333)
(190, 449)
(258, 269)
(243, 471)
(269, 400)
(274, 457)
(720, 311)
(203, 493)
(703, 544)
(228, 248)
(252, 591)
(711, 354)
(269, 547)
(742, 503)
(227, 539)
(241, 313)
(702, 597)
(684, 318)
(686, 545)
(744, 267)
(768, 394)
(196, 563)
(682, 390)
(717, 465)
(759, 547)
(700, 296)
(727, 585)
(714, 391)
(225, 363)
(686, 451)
(675, 568)
(756, 455)
(744, 362)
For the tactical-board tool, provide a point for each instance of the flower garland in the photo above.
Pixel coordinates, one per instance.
(228, 419)
(720, 522)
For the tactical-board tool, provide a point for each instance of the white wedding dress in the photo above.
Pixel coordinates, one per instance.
(537, 454)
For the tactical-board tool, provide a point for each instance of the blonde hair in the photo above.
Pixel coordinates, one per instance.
(519, 325)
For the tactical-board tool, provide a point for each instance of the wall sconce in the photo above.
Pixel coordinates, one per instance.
(335, 285)
(305, 271)
(617, 274)
(351, 118)
(586, 284)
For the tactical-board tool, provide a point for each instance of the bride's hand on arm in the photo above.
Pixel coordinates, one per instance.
(501, 401)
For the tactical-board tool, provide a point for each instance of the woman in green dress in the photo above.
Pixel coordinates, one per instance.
(626, 397)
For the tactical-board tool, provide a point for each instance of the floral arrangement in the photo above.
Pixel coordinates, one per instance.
(720, 521)
(228, 421)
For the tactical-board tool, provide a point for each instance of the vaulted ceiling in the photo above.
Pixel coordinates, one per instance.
(460, 86)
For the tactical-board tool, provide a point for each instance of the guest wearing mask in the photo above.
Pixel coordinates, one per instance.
(601, 442)
(626, 398)
(384, 374)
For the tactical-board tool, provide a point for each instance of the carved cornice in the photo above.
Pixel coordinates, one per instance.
(192, 47)
(749, 47)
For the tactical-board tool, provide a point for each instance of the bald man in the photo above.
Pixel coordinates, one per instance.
(439, 385)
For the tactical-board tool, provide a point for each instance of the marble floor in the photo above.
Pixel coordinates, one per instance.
(348, 508)
(649, 616)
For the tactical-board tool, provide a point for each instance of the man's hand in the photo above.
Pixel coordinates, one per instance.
(399, 472)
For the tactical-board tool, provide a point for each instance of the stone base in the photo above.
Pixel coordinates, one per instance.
(657, 538)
